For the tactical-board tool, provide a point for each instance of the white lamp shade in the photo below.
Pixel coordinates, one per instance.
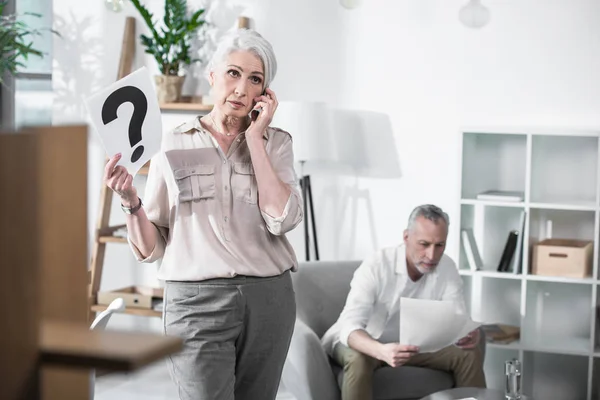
(365, 144)
(350, 4)
(474, 14)
(310, 125)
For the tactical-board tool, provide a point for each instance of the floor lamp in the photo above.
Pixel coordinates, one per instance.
(308, 210)
(310, 125)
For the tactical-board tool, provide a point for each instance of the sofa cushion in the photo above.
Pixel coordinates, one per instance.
(307, 372)
(321, 290)
(410, 382)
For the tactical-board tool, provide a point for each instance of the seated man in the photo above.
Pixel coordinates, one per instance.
(366, 334)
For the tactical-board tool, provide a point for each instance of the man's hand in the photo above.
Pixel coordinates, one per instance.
(470, 341)
(395, 354)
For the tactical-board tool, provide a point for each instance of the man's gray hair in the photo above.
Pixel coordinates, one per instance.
(246, 40)
(430, 212)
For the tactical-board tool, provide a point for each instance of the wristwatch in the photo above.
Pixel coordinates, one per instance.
(132, 210)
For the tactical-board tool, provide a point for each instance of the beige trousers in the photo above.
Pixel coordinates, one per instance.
(466, 366)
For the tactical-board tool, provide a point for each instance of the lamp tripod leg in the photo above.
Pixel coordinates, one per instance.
(312, 217)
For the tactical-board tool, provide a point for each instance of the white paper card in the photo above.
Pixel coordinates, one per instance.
(126, 117)
(432, 324)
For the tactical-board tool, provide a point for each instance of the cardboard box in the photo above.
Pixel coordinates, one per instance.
(563, 257)
(134, 296)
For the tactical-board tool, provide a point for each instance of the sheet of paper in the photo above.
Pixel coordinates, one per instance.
(431, 324)
(127, 118)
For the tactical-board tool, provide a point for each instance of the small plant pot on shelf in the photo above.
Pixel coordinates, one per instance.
(168, 88)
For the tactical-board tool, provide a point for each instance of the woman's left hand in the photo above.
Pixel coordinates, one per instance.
(267, 104)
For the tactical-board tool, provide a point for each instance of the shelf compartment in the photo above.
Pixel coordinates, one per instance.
(503, 302)
(493, 162)
(562, 168)
(475, 202)
(555, 376)
(493, 366)
(596, 317)
(549, 323)
(560, 279)
(468, 292)
(498, 275)
(491, 226)
(596, 378)
(566, 224)
(574, 206)
(142, 312)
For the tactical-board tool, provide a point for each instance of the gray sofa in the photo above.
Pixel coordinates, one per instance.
(309, 374)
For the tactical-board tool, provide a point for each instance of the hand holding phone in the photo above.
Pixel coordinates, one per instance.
(261, 114)
(254, 113)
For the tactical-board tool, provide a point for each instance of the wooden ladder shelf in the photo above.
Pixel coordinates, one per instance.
(105, 234)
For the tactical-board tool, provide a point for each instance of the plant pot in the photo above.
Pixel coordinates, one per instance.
(168, 88)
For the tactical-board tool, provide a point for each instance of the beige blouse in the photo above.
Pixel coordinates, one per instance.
(204, 204)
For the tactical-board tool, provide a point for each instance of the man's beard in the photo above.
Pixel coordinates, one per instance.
(424, 270)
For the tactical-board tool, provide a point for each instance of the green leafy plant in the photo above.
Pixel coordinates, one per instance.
(16, 42)
(170, 44)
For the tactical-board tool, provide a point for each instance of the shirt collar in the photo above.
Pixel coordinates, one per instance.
(195, 125)
(401, 260)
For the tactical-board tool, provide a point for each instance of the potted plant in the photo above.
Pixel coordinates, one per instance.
(170, 45)
(15, 42)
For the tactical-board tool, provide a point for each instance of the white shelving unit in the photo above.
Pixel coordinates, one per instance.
(559, 173)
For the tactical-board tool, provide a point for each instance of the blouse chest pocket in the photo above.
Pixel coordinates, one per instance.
(243, 183)
(195, 182)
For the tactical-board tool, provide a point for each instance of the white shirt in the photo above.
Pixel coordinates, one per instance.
(413, 290)
(376, 289)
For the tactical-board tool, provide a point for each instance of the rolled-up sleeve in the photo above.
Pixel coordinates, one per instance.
(361, 300)
(156, 206)
(283, 164)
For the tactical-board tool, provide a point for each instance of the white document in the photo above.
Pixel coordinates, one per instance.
(432, 324)
(126, 117)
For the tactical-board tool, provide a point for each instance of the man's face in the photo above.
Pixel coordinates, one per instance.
(425, 243)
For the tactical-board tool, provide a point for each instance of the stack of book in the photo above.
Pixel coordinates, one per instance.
(510, 260)
(501, 195)
(501, 333)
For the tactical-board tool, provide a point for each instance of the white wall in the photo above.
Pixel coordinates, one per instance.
(535, 64)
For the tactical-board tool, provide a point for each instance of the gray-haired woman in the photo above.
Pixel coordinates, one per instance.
(219, 198)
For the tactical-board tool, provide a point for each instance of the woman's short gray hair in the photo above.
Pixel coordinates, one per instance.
(430, 212)
(246, 40)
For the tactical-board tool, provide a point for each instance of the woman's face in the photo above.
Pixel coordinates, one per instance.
(236, 82)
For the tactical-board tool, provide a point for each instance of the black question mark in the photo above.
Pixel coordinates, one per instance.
(140, 106)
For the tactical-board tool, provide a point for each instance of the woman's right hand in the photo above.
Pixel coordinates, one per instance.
(120, 181)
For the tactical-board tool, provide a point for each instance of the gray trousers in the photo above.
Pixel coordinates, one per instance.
(236, 334)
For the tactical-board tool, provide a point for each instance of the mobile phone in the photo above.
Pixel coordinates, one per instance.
(255, 112)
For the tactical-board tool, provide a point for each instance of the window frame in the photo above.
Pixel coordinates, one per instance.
(7, 91)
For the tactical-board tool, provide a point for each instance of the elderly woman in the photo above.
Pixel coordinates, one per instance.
(219, 199)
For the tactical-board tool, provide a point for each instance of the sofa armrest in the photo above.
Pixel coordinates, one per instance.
(307, 374)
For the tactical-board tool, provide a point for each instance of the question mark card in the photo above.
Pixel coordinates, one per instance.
(127, 118)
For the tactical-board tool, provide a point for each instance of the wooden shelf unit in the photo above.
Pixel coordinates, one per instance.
(142, 312)
(185, 107)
